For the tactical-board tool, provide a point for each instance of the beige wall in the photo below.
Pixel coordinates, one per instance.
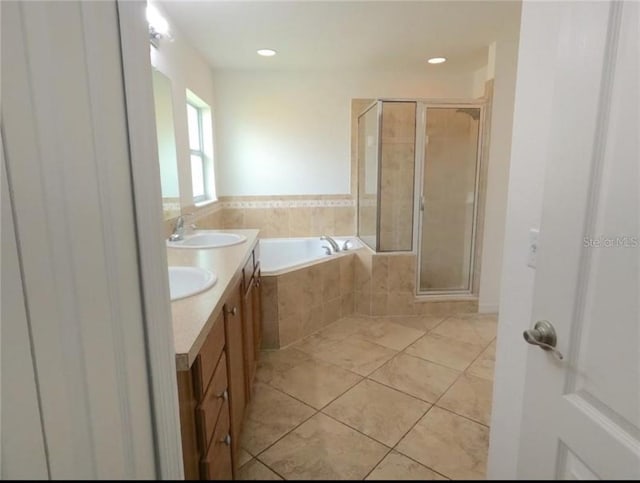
(503, 66)
(287, 132)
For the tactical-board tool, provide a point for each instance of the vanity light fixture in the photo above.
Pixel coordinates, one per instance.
(266, 52)
(158, 26)
(437, 60)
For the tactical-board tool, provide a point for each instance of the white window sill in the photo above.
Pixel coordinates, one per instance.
(201, 204)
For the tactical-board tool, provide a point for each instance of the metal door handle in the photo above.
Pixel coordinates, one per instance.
(544, 336)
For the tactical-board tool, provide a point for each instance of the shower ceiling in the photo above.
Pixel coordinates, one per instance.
(337, 35)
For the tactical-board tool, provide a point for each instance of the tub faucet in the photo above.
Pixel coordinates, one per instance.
(332, 242)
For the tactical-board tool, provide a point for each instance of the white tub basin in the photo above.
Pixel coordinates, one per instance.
(208, 239)
(187, 281)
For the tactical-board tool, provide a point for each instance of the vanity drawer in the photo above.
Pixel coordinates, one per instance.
(208, 358)
(216, 464)
(215, 397)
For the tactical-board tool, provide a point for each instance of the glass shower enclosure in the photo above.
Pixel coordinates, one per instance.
(418, 176)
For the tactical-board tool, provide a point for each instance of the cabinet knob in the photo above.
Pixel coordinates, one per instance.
(257, 282)
(233, 311)
(226, 440)
(224, 395)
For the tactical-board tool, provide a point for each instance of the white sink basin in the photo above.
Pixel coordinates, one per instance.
(208, 239)
(188, 281)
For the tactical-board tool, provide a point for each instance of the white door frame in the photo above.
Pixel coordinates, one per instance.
(145, 169)
(85, 190)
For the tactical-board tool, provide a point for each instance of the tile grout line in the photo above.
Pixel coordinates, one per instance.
(260, 453)
(269, 468)
(357, 431)
(401, 438)
(400, 391)
(463, 373)
(404, 436)
(255, 458)
(377, 464)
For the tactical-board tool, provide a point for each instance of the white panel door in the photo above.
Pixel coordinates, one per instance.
(581, 417)
(23, 453)
(64, 128)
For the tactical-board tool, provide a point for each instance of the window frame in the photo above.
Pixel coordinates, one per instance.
(201, 153)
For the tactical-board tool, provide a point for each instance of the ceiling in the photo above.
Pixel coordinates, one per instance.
(343, 35)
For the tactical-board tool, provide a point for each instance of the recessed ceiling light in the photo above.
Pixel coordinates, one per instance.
(266, 52)
(437, 60)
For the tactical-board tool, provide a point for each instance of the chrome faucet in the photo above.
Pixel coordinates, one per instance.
(178, 230)
(332, 242)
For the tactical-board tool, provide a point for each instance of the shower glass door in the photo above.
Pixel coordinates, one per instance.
(448, 201)
(368, 165)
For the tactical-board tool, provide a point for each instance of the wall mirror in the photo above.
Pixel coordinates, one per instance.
(166, 145)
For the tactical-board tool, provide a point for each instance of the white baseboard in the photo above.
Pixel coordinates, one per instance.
(488, 308)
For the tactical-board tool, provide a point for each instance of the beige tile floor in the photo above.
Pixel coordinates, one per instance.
(376, 398)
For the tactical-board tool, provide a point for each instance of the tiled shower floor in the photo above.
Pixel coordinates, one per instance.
(375, 398)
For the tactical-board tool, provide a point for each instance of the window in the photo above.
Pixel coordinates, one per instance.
(200, 149)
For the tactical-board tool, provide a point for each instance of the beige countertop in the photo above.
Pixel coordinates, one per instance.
(193, 316)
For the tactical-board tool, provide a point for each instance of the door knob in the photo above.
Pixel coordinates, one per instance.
(544, 336)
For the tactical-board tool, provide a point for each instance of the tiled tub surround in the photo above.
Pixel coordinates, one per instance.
(287, 216)
(375, 398)
(384, 284)
(276, 216)
(301, 301)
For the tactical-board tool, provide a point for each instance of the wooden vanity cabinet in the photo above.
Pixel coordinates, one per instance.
(214, 393)
(257, 311)
(203, 394)
(236, 367)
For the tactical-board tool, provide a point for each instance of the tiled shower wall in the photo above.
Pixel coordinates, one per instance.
(397, 163)
(384, 284)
